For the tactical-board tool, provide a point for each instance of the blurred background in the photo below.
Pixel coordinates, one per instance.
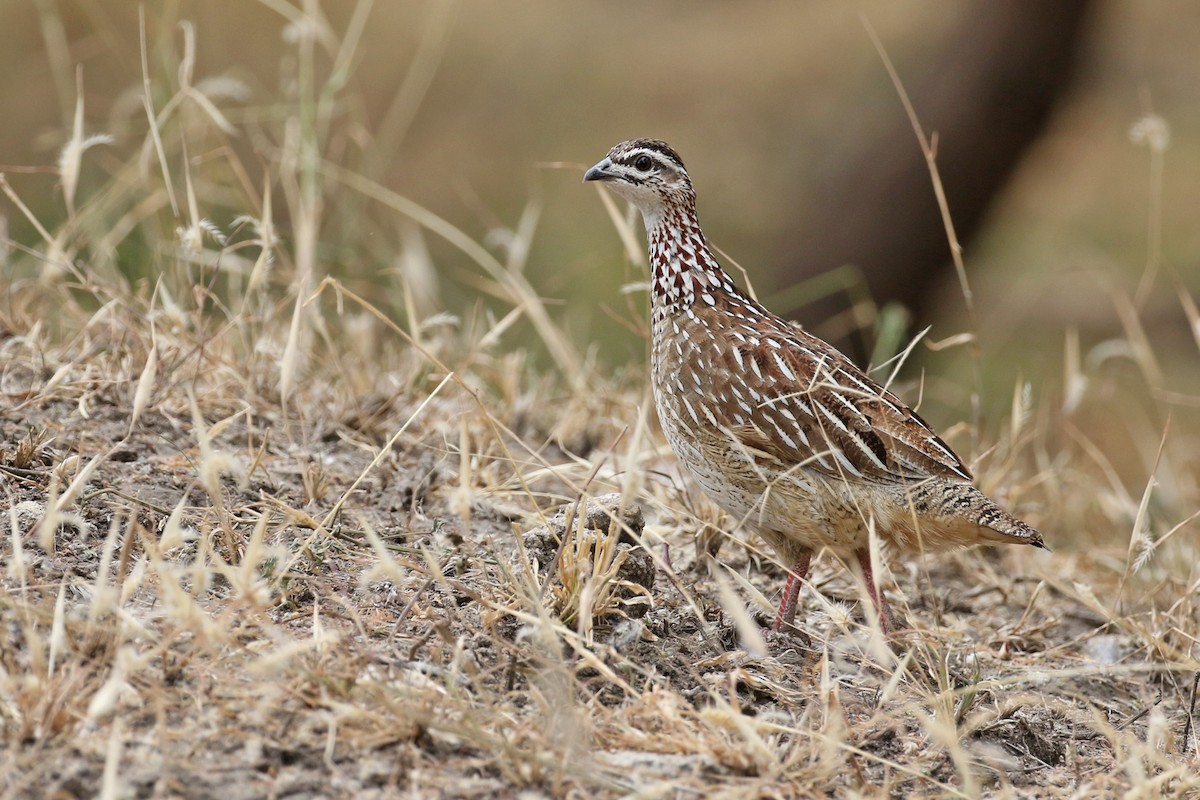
(1067, 135)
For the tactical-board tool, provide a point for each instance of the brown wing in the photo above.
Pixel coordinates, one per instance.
(792, 396)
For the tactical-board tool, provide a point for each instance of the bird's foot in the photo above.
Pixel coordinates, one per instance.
(786, 635)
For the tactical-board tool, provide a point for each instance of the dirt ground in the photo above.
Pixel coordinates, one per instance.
(350, 598)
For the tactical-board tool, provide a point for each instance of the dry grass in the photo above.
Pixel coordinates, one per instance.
(265, 535)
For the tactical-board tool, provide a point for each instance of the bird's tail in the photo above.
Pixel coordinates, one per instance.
(964, 502)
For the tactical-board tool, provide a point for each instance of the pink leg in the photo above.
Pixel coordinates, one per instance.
(791, 590)
(864, 561)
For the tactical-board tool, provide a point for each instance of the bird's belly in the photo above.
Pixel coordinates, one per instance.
(799, 505)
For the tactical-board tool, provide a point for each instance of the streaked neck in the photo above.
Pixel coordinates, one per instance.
(683, 269)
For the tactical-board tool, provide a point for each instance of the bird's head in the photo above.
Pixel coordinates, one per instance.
(647, 173)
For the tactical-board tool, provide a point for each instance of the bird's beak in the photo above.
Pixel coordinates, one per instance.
(600, 172)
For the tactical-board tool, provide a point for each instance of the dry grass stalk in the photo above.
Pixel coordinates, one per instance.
(377, 622)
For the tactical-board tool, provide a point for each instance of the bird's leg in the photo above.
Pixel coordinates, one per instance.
(791, 590)
(864, 561)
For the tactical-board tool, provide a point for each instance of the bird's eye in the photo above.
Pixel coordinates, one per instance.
(643, 163)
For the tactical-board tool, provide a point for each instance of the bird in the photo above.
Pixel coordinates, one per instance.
(777, 426)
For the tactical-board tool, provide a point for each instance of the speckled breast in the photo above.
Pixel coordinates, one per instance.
(723, 470)
(799, 503)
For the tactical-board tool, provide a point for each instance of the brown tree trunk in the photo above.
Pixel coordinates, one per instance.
(987, 97)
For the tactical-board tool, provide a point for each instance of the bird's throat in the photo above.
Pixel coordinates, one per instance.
(683, 269)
